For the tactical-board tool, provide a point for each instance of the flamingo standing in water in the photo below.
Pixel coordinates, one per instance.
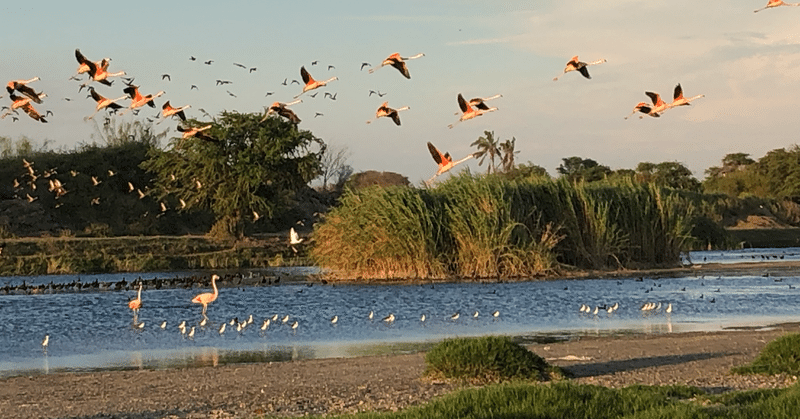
(22, 87)
(775, 3)
(576, 65)
(467, 112)
(103, 103)
(679, 100)
(385, 110)
(444, 161)
(398, 62)
(312, 84)
(136, 303)
(137, 100)
(208, 297)
(167, 111)
(282, 109)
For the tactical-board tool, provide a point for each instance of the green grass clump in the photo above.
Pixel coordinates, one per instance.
(781, 356)
(484, 360)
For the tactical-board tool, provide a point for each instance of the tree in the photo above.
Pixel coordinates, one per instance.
(780, 170)
(334, 167)
(525, 171)
(487, 146)
(507, 149)
(240, 167)
(577, 168)
(669, 174)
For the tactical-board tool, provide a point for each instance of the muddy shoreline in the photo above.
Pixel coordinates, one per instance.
(383, 383)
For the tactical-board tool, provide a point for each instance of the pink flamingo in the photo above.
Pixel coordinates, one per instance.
(137, 100)
(136, 303)
(103, 103)
(385, 110)
(167, 110)
(22, 87)
(679, 100)
(575, 65)
(444, 161)
(659, 106)
(398, 62)
(775, 3)
(468, 112)
(283, 110)
(312, 84)
(207, 298)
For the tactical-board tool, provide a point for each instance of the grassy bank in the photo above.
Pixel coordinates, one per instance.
(490, 227)
(70, 255)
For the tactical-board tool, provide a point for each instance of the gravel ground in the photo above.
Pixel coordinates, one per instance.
(329, 386)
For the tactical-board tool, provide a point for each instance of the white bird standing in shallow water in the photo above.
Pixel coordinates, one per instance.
(222, 328)
(45, 342)
(496, 314)
(389, 319)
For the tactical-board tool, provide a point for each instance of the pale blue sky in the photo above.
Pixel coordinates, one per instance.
(746, 64)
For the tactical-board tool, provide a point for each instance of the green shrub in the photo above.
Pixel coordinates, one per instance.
(781, 356)
(486, 359)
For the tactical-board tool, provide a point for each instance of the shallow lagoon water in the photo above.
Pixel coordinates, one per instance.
(94, 330)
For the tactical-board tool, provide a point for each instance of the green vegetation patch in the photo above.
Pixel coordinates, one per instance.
(486, 359)
(781, 356)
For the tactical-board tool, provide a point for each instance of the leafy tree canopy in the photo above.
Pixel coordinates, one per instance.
(577, 168)
(240, 169)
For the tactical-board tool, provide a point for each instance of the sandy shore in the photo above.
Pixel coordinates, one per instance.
(375, 383)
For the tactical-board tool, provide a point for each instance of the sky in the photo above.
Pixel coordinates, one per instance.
(746, 64)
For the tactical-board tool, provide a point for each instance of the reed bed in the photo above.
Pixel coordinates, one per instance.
(490, 227)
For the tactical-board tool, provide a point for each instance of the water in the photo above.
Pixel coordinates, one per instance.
(90, 331)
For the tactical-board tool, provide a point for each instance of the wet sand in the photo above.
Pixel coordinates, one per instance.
(375, 383)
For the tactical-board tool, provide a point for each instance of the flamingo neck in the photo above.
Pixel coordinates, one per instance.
(414, 57)
(214, 285)
(404, 108)
(293, 102)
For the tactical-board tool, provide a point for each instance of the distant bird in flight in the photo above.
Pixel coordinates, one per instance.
(82, 67)
(398, 62)
(97, 72)
(208, 62)
(478, 102)
(166, 76)
(659, 106)
(378, 92)
(318, 114)
(444, 161)
(194, 87)
(330, 67)
(365, 65)
(575, 65)
(467, 112)
(191, 57)
(240, 65)
(312, 84)
(283, 110)
(679, 100)
(196, 132)
(223, 82)
(252, 69)
(775, 3)
(137, 100)
(385, 110)
(230, 94)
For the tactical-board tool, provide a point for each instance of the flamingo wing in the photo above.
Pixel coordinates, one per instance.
(27, 91)
(584, 71)
(28, 108)
(402, 68)
(305, 75)
(288, 114)
(437, 155)
(395, 117)
(96, 96)
(478, 103)
(678, 92)
(166, 107)
(81, 59)
(463, 104)
(133, 92)
(655, 97)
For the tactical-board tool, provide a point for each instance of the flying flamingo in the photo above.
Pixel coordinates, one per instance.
(444, 161)
(207, 298)
(25, 105)
(385, 110)
(168, 111)
(659, 106)
(196, 132)
(282, 109)
(137, 100)
(312, 84)
(20, 102)
(575, 65)
(99, 73)
(478, 102)
(103, 103)
(22, 87)
(83, 67)
(775, 3)
(679, 100)
(136, 303)
(398, 62)
(468, 112)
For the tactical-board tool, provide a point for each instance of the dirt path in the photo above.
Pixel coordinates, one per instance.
(372, 383)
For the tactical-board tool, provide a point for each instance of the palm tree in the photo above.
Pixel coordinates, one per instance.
(507, 148)
(487, 146)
